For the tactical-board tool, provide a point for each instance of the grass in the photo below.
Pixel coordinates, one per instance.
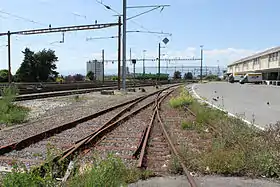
(108, 172)
(235, 149)
(184, 99)
(11, 113)
(187, 125)
(17, 178)
(21, 176)
(174, 166)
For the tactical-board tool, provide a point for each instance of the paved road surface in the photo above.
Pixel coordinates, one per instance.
(207, 181)
(248, 100)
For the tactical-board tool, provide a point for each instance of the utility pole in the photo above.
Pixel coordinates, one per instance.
(119, 52)
(144, 62)
(133, 62)
(201, 60)
(130, 56)
(124, 46)
(159, 62)
(9, 57)
(95, 63)
(103, 66)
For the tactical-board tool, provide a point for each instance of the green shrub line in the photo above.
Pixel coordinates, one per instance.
(11, 113)
(237, 150)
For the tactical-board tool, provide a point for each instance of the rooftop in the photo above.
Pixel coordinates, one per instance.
(266, 52)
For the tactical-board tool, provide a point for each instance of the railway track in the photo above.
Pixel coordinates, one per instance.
(79, 90)
(145, 145)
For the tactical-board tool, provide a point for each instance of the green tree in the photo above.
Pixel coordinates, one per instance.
(90, 75)
(78, 77)
(188, 76)
(177, 75)
(4, 75)
(38, 66)
(46, 65)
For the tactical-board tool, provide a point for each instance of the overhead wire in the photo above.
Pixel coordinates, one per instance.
(22, 18)
(113, 10)
(103, 37)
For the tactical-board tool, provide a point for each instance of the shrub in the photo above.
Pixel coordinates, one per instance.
(20, 177)
(10, 112)
(185, 99)
(107, 172)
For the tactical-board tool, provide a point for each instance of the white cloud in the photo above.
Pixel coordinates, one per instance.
(226, 56)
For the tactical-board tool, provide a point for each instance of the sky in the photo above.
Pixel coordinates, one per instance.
(228, 30)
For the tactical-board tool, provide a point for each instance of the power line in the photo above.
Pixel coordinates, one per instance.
(25, 19)
(113, 10)
(108, 7)
(147, 6)
(104, 37)
(140, 14)
(151, 32)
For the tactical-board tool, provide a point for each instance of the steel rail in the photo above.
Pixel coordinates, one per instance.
(156, 113)
(175, 152)
(90, 142)
(48, 133)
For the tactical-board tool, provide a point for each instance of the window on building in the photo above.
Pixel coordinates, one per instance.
(276, 56)
(256, 61)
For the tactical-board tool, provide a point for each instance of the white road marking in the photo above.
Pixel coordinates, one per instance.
(228, 113)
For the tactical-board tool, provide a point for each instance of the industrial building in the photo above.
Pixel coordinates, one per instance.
(97, 68)
(266, 62)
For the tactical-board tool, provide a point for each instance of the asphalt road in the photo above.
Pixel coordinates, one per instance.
(259, 104)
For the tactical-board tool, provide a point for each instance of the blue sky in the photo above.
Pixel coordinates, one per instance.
(228, 30)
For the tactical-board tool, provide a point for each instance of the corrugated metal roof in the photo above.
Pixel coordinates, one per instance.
(266, 52)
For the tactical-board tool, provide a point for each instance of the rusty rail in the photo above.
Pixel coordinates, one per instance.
(91, 140)
(156, 113)
(48, 133)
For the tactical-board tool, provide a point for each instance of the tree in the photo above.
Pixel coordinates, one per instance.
(69, 78)
(188, 76)
(4, 75)
(90, 75)
(38, 66)
(177, 75)
(78, 77)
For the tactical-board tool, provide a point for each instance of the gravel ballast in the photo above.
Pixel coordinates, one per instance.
(46, 115)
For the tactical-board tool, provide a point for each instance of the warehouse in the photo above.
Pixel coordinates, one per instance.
(266, 62)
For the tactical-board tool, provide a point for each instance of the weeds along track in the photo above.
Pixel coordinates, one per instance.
(66, 140)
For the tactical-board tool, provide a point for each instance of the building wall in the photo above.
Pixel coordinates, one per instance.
(97, 68)
(263, 63)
